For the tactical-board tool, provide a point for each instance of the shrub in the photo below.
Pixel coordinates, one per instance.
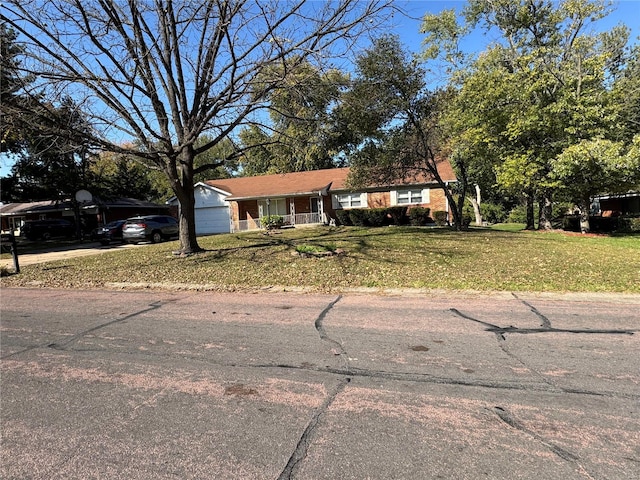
(271, 222)
(440, 217)
(376, 217)
(419, 216)
(358, 217)
(629, 224)
(343, 217)
(398, 215)
(518, 214)
(493, 213)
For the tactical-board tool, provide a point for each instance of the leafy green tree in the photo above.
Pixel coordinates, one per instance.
(122, 176)
(395, 121)
(220, 161)
(626, 94)
(13, 103)
(53, 162)
(539, 89)
(158, 75)
(596, 166)
(299, 136)
(257, 158)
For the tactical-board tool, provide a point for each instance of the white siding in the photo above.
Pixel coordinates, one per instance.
(211, 209)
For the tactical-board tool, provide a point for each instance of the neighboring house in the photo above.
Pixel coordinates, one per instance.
(93, 214)
(302, 198)
(614, 205)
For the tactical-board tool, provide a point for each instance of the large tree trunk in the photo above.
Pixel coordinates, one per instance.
(530, 214)
(585, 207)
(456, 206)
(186, 197)
(545, 214)
(476, 201)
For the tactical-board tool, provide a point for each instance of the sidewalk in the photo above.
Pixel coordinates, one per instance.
(61, 253)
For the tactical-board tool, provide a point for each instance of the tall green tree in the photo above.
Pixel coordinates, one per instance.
(13, 103)
(220, 161)
(121, 176)
(299, 135)
(540, 88)
(395, 121)
(158, 75)
(54, 162)
(626, 94)
(593, 167)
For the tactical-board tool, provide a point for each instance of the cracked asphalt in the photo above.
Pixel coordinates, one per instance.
(169, 384)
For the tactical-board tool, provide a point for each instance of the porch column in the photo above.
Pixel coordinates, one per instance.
(321, 208)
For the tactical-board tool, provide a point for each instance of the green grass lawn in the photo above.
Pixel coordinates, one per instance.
(504, 258)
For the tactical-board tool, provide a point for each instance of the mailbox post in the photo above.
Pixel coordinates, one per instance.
(9, 240)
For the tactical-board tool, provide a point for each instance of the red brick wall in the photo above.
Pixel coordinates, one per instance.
(302, 204)
(378, 199)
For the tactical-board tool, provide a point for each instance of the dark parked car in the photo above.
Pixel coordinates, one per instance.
(111, 232)
(153, 228)
(46, 229)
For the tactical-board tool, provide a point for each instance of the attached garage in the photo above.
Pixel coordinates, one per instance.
(212, 210)
(211, 220)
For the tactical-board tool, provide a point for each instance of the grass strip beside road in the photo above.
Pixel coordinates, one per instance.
(387, 258)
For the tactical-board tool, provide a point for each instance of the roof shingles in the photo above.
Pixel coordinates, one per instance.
(303, 183)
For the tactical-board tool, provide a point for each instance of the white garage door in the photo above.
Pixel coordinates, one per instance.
(212, 220)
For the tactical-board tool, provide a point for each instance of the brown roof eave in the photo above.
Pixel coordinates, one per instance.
(278, 195)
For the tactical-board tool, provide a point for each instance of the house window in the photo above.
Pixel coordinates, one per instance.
(276, 206)
(411, 196)
(350, 200)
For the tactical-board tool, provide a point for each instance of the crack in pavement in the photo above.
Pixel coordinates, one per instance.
(508, 418)
(500, 331)
(339, 349)
(61, 345)
(546, 323)
(302, 447)
(502, 343)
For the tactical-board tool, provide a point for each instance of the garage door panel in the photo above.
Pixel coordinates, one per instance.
(212, 220)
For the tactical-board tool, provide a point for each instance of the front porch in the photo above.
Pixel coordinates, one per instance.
(298, 219)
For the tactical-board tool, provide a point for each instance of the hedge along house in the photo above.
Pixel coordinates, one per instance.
(309, 198)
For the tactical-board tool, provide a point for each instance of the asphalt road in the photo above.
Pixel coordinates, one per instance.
(185, 385)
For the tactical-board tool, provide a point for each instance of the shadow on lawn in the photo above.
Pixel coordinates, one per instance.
(358, 243)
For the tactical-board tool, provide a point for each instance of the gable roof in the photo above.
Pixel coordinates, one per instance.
(308, 183)
(292, 184)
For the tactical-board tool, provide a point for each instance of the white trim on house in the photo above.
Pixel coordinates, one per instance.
(348, 200)
(410, 196)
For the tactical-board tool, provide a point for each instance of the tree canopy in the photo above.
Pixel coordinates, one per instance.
(543, 86)
(394, 120)
(155, 77)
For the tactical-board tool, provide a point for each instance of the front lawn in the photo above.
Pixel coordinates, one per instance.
(392, 257)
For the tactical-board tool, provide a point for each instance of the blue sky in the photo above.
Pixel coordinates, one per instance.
(626, 11)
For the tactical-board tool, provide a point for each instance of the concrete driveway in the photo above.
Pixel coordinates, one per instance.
(62, 252)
